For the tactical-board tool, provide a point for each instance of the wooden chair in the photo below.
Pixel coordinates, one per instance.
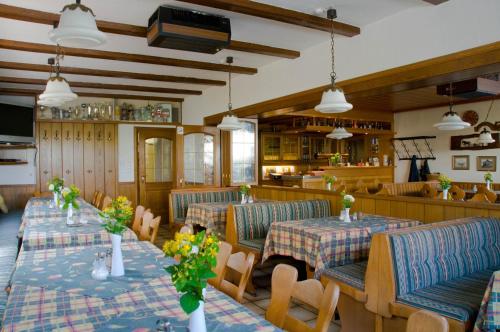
(457, 194)
(285, 288)
(149, 227)
(106, 202)
(97, 198)
(426, 321)
(428, 191)
(340, 188)
(240, 265)
(137, 223)
(492, 196)
(225, 250)
(362, 190)
(383, 192)
(479, 198)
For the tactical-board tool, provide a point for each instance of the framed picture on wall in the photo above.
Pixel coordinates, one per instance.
(487, 163)
(460, 163)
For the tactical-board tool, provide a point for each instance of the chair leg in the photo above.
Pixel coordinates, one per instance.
(309, 271)
(250, 289)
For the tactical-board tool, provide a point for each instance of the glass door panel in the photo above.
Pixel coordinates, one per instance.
(290, 146)
(243, 154)
(271, 147)
(199, 159)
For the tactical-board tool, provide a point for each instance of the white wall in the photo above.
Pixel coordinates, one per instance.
(410, 36)
(419, 123)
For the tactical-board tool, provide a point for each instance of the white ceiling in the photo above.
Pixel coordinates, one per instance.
(244, 28)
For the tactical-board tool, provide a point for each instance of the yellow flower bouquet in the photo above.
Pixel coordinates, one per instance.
(117, 216)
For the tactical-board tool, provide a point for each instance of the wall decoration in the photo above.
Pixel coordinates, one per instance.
(487, 163)
(471, 117)
(469, 142)
(460, 163)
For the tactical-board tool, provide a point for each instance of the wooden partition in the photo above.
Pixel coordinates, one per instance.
(424, 209)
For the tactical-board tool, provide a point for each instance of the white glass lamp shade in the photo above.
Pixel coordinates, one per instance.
(485, 137)
(77, 28)
(451, 121)
(229, 122)
(339, 133)
(56, 93)
(333, 101)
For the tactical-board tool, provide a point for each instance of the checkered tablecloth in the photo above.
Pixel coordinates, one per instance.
(328, 242)
(212, 216)
(488, 318)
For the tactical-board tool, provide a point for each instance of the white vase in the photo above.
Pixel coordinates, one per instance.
(197, 318)
(56, 199)
(488, 184)
(347, 217)
(328, 186)
(341, 215)
(243, 198)
(69, 217)
(445, 193)
(117, 269)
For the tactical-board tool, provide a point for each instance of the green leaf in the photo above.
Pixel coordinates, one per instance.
(207, 274)
(189, 302)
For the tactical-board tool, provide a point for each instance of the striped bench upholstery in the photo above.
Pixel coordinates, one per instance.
(351, 274)
(446, 269)
(182, 199)
(253, 220)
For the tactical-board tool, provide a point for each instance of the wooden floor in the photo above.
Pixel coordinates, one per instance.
(9, 225)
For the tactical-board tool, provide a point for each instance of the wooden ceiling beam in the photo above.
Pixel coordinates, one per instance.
(111, 73)
(279, 14)
(37, 16)
(120, 56)
(34, 93)
(90, 85)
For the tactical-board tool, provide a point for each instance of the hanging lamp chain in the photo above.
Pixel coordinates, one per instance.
(332, 14)
(229, 61)
(450, 112)
(59, 57)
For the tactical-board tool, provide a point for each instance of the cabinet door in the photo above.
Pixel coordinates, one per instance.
(110, 160)
(56, 150)
(88, 161)
(290, 148)
(67, 153)
(45, 151)
(244, 154)
(271, 147)
(99, 162)
(78, 160)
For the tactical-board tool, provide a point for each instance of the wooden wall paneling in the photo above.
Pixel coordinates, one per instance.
(398, 209)
(78, 161)
(88, 161)
(433, 213)
(16, 196)
(383, 207)
(67, 153)
(453, 212)
(368, 205)
(44, 152)
(415, 211)
(129, 190)
(110, 166)
(56, 150)
(99, 162)
(493, 213)
(474, 212)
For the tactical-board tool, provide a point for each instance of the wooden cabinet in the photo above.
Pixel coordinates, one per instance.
(290, 148)
(82, 154)
(271, 147)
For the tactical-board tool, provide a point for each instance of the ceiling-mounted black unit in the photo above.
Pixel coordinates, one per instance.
(473, 88)
(188, 30)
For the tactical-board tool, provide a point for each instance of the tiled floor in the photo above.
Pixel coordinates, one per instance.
(262, 281)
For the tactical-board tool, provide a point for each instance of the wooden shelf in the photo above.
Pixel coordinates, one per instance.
(17, 146)
(110, 122)
(4, 163)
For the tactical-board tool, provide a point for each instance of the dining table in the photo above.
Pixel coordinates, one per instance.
(328, 242)
(488, 318)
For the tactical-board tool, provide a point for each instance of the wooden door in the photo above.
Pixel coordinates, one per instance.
(44, 151)
(67, 153)
(56, 150)
(88, 161)
(110, 160)
(78, 161)
(156, 172)
(198, 157)
(99, 162)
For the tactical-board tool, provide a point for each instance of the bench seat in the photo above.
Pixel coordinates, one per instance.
(255, 244)
(458, 298)
(351, 274)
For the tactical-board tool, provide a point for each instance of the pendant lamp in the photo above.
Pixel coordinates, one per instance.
(339, 133)
(485, 137)
(230, 121)
(57, 90)
(77, 28)
(333, 100)
(451, 120)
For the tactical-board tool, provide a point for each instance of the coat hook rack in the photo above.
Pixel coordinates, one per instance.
(407, 147)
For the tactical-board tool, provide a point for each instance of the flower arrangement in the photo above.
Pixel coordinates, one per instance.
(330, 179)
(245, 189)
(488, 177)
(56, 185)
(69, 196)
(444, 182)
(117, 216)
(347, 200)
(335, 159)
(197, 256)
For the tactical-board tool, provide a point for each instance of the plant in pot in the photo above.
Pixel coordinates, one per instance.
(347, 202)
(445, 184)
(196, 256)
(245, 193)
(335, 159)
(116, 217)
(69, 197)
(55, 186)
(488, 178)
(330, 181)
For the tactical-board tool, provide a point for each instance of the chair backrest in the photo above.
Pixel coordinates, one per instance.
(479, 198)
(383, 192)
(285, 288)
(149, 227)
(426, 321)
(492, 196)
(97, 198)
(339, 188)
(428, 191)
(362, 190)
(222, 258)
(457, 194)
(139, 212)
(242, 264)
(106, 202)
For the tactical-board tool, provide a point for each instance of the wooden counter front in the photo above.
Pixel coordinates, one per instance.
(369, 175)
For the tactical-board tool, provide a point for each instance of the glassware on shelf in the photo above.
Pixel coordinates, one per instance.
(111, 113)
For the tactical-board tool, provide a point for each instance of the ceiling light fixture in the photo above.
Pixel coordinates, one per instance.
(485, 137)
(451, 120)
(77, 28)
(339, 133)
(230, 121)
(333, 100)
(57, 91)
